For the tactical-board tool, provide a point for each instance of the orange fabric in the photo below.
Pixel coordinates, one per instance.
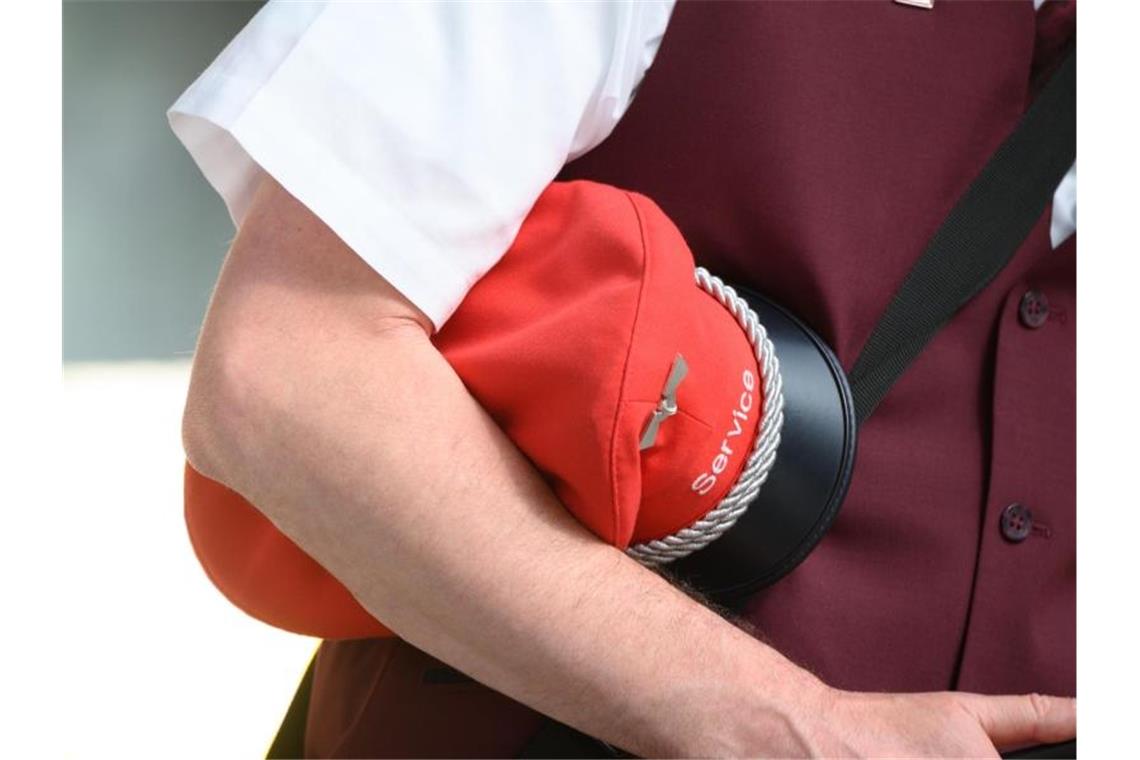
(264, 573)
(567, 342)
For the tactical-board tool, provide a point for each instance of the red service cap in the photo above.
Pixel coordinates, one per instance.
(642, 388)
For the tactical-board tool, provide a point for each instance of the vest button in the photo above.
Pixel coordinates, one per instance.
(1016, 522)
(1034, 309)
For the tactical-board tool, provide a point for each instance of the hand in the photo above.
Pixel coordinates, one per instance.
(940, 724)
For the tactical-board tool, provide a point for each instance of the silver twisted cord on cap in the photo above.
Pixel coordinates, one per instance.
(722, 517)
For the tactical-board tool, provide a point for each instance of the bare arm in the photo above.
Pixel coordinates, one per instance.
(317, 394)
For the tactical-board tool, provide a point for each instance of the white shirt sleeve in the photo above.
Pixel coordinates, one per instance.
(421, 133)
(1064, 221)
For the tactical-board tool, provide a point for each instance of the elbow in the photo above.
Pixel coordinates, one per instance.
(292, 313)
(259, 397)
(221, 411)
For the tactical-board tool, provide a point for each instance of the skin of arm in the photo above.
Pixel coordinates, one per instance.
(317, 394)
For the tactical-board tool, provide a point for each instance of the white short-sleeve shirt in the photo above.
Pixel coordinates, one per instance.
(422, 132)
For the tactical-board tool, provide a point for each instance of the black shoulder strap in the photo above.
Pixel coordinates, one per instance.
(977, 239)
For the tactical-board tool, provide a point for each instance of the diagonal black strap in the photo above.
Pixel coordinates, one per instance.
(976, 240)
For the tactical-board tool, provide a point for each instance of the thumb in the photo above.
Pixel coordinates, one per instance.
(1017, 721)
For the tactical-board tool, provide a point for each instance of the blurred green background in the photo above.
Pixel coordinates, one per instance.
(143, 233)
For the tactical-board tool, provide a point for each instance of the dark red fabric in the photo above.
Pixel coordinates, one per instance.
(809, 151)
(384, 698)
(1056, 28)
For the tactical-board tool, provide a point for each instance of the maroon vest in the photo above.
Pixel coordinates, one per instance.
(809, 151)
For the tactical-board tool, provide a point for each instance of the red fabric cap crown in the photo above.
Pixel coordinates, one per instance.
(567, 342)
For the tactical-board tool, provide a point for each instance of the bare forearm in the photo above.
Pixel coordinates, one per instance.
(359, 441)
(317, 395)
(444, 532)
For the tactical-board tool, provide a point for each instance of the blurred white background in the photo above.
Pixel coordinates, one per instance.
(144, 656)
(156, 661)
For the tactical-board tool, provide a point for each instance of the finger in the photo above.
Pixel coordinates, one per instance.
(1016, 721)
